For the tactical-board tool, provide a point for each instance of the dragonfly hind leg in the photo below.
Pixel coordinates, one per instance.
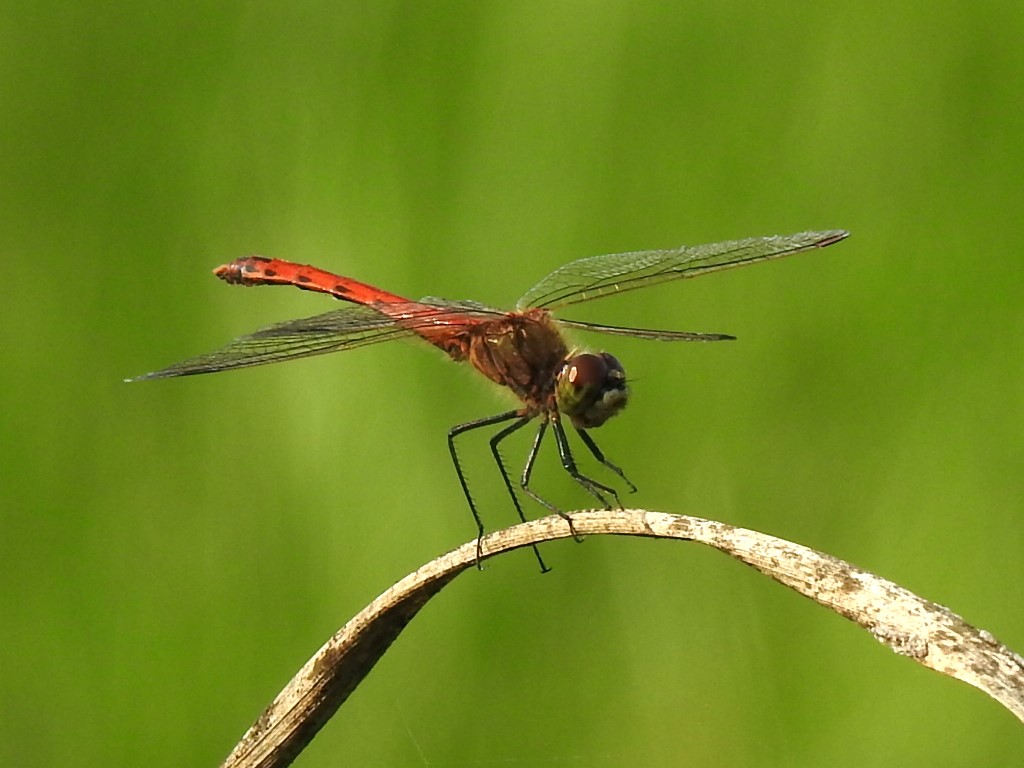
(477, 424)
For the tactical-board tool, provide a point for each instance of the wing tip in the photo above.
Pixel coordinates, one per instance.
(831, 236)
(145, 377)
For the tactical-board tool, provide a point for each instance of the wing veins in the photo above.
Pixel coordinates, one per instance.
(653, 334)
(340, 329)
(597, 276)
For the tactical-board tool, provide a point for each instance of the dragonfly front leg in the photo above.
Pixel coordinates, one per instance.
(599, 455)
(592, 486)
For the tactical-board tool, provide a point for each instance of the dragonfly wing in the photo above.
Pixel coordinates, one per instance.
(596, 276)
(330, 332)
(334, 331)
(646, 333)
(466, 309)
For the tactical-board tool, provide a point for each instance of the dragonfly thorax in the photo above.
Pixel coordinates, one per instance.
(591, 388)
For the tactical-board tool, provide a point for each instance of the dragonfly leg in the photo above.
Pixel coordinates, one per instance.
(494, 442)
(599, 455)
(454, 432)
(595, 488)
(524, 481)
(522, 422)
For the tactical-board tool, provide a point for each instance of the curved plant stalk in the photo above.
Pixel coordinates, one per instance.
(911, 626)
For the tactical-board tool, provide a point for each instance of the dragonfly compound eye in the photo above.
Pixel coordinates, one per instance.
(591, 388)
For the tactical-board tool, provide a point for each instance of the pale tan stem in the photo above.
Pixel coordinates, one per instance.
(911, 626)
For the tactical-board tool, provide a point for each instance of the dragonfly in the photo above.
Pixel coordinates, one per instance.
(524, 350)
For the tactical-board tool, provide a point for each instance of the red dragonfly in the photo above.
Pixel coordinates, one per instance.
(523, 350)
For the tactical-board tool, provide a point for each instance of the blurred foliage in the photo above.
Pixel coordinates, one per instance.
(171, 552)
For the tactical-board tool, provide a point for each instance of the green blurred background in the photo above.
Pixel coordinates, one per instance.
(173, 551)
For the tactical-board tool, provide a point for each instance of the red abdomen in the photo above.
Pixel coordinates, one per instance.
(259, 270)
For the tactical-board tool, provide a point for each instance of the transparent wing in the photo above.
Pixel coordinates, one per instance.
(596, 276)
(330, 332)
(646, 333)
(335, 331)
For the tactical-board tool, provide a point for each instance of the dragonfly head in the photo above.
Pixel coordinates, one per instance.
(591, 388)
